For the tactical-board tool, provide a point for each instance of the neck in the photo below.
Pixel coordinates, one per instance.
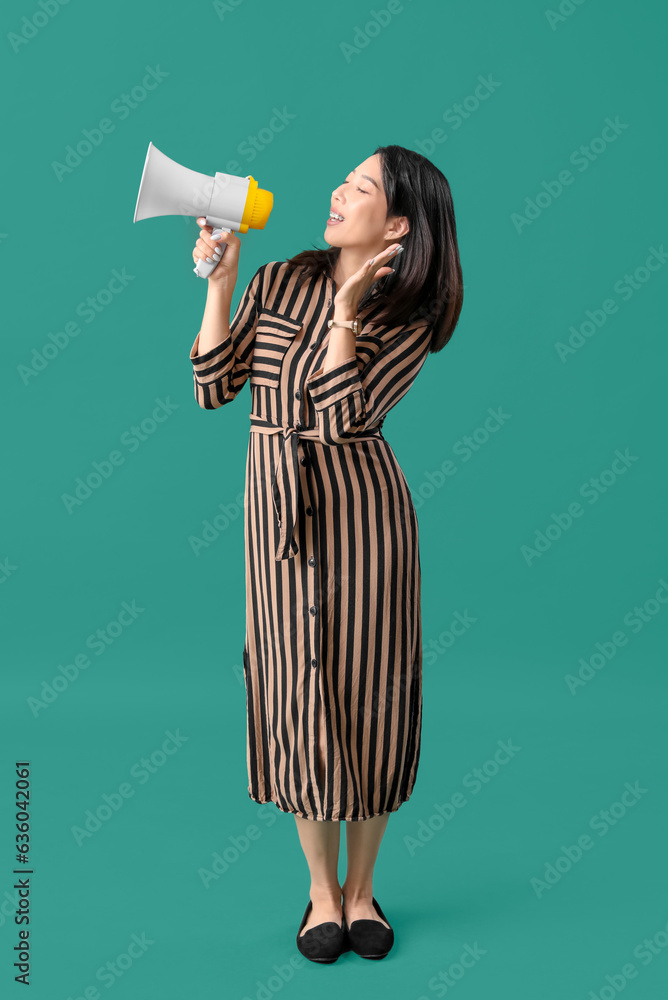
(350, 260)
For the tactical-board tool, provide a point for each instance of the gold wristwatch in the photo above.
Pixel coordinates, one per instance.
(349, 324)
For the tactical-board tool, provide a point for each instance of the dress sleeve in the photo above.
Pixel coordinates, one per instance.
(354, 397)
(220, 374)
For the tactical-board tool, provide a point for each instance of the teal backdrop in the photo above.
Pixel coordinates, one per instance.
(528, 863)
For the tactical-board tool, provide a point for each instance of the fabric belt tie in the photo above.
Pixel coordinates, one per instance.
(285, 481)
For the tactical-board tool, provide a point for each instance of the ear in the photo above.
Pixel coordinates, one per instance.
(398, 228)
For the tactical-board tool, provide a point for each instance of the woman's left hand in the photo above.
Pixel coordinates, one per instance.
(351, 292)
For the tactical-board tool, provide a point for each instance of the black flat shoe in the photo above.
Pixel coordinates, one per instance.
(324, 942)
(370, 938)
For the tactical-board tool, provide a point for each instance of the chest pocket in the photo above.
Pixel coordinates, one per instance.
(273, 335)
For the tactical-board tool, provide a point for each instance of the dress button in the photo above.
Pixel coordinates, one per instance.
(314, 663)
(298, 394)
(299, 425)
(312, 610)
(311, 561)
(309, 510)
(303, 460)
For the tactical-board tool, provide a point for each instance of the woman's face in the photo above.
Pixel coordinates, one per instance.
(360, 199)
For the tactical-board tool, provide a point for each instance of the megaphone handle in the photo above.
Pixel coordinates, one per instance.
(203, 269)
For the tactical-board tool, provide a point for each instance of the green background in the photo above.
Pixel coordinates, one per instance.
(445, 880)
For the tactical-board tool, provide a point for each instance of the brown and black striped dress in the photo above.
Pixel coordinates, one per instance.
(333, 621)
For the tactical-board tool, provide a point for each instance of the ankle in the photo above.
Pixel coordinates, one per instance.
(325, 894)
(357, 893)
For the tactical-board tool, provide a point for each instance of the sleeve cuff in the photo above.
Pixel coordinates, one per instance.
(326, 388)
(214, 363)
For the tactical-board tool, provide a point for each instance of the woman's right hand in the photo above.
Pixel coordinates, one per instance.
(206, 246)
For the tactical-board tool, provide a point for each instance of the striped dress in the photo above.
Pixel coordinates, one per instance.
(332, 654)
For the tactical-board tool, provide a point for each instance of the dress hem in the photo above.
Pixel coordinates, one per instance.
(334, 819)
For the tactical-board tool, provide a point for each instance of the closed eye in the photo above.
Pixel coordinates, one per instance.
(358, 189)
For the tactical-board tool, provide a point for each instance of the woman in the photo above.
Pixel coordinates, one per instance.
(333, 657)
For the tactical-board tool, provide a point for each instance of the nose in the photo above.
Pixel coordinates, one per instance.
(336, 196)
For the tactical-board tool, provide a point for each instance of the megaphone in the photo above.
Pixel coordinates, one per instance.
(229, 203)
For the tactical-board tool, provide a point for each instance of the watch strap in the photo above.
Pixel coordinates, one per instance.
(349, 324)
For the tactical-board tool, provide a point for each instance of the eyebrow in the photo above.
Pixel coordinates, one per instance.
(370, 179)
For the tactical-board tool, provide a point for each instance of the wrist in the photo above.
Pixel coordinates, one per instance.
(222, 289)
(344, 311)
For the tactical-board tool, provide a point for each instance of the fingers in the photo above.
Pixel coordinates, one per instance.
(386, 254)
(207, 248)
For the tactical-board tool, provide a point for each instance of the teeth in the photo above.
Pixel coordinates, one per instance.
(334, 215)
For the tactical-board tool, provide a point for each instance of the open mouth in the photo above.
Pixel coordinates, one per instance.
(335, 219)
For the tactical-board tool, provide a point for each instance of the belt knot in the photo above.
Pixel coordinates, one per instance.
(285, 481)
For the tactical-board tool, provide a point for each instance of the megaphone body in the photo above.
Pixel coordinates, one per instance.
(229, 203)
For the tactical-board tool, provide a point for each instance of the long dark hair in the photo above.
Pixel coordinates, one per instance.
(427, 281)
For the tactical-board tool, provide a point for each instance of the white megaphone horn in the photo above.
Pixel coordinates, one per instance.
(229, 203)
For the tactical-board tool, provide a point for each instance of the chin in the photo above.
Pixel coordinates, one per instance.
(330, 237)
